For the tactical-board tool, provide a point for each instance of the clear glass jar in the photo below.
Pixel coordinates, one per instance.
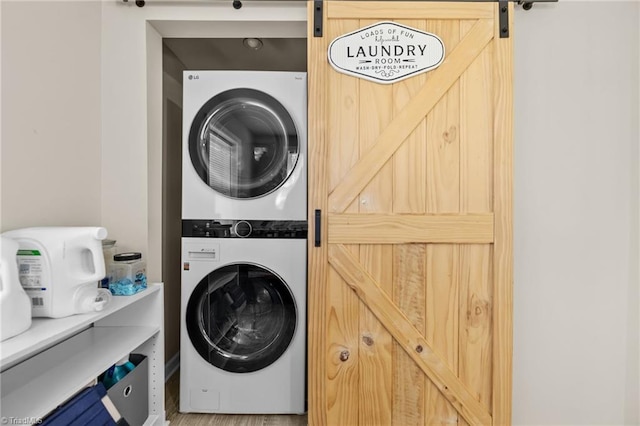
(129, 274)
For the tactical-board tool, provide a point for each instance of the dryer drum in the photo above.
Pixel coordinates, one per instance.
(241, 318)
(243, 143)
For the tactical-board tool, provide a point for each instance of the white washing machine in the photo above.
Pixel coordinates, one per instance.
(244, 145)
(243, 318)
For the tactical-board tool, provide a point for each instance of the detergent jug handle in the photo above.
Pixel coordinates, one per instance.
(97, 255)
(98, 264)
(9, 260)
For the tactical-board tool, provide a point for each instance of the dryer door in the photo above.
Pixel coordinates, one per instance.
(241, 318)
(243, 143)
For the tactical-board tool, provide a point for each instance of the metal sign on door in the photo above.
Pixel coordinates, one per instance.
(386, 52)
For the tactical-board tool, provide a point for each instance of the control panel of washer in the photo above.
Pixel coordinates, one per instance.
(244, 228)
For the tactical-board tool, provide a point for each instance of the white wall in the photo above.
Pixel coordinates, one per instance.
(632, 401)
(50, 163)
(576, 214)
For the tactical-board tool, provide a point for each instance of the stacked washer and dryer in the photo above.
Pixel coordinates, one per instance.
(244, 209)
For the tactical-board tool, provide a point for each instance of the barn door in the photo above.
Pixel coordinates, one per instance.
(410, 186)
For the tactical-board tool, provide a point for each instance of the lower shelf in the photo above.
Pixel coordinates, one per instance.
(154, 420)
(38, 385)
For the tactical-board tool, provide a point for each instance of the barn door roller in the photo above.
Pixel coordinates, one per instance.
(528, 4)
(504, 12)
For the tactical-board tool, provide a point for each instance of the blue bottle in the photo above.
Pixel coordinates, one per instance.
(116, 372)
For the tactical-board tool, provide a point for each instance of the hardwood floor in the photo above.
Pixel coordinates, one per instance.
(172, 395)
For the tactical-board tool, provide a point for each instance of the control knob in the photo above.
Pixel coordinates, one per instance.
(243, 229)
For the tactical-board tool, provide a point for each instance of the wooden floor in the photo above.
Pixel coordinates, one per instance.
(172, 395)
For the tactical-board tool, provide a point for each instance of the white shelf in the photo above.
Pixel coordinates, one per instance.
(46, 332)
(52, 361)
(66, 368)
(152, 420)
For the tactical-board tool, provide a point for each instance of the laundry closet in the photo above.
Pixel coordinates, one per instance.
(408, 323)
(387, 281)
(408, 219)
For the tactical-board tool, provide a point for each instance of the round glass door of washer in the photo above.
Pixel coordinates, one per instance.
(243, 143)
(241, 318)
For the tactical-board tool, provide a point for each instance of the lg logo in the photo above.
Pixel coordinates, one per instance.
(194, 77)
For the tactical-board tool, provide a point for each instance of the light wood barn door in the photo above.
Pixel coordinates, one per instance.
(410, 289)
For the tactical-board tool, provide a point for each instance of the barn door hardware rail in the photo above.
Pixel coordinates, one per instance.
(139, 3)
(237, 4)
(504, 13)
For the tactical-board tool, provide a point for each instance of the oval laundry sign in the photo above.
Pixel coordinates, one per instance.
(386, 52)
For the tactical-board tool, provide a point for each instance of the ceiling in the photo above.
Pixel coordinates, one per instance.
(276, 54)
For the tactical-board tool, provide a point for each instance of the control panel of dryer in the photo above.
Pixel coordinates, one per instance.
(244, 228)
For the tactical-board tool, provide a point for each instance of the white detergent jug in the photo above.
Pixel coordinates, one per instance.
(15, 307)
(59, 268)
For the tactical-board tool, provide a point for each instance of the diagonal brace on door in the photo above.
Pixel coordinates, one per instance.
(407, 336)
(394, 135)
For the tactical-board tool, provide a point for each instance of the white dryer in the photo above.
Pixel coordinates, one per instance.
(243, 318)
(244, 145)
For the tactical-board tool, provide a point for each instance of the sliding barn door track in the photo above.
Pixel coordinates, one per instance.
(237, 4)
(318, 11)
(504, 13)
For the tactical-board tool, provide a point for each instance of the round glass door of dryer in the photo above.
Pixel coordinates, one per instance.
(243, 143)
(241, 318)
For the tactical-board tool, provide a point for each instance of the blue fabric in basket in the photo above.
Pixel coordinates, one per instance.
(86, 408)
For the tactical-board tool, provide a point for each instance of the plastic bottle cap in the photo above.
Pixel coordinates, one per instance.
(100, 233)
(123, 257)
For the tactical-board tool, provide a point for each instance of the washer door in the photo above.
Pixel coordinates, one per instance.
(243, 143)
(241, 318)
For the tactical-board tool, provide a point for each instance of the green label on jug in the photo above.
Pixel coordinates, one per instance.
(28, 252)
